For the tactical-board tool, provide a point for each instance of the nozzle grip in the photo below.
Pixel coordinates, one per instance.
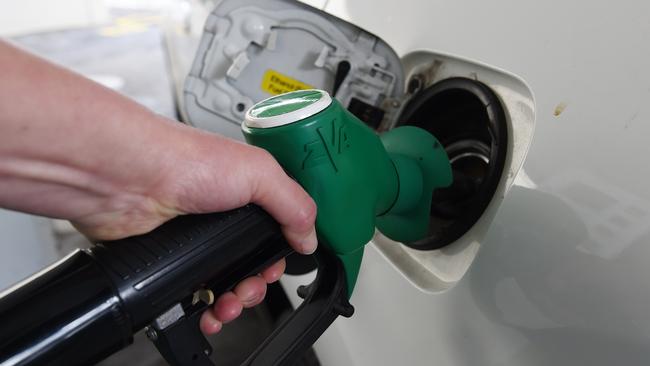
(89, 304)
(117, 288)
(155, 271)
(216, 251)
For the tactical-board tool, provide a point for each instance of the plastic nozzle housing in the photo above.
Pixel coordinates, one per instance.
(359, 180)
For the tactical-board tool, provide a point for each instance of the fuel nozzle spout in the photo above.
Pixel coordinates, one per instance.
(359, 180)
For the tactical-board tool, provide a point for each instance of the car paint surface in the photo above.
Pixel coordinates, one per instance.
(562, 275)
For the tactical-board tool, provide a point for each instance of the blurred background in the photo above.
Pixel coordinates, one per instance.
(142, 49)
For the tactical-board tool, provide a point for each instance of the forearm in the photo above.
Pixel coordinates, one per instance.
(70, 148)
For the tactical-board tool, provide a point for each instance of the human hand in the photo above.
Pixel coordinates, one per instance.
(210, 174)
(72, 149)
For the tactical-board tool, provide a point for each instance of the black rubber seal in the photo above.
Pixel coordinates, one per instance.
(453, 109)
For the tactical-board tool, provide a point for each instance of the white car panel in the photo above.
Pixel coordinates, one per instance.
(561, 278)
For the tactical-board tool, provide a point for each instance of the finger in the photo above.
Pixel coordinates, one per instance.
(209, 324)
(227, 308)
(275, 271)
(251, 291)
(289, 204)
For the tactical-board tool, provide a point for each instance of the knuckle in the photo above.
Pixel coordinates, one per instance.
(265, 158)
(307, 213)
(266, 166)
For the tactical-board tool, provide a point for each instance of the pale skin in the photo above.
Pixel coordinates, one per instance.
(75, 150)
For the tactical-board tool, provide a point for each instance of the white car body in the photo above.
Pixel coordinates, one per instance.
(556, 271)
(561, 277)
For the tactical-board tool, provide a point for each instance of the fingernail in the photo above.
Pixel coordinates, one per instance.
(310, 242)
(210, 325)
(215, 326)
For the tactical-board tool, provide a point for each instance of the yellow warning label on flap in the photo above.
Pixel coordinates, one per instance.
(276, 83)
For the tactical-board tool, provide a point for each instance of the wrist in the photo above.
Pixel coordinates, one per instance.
(135, 176)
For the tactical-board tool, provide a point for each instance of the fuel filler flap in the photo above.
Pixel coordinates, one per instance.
(253, 49)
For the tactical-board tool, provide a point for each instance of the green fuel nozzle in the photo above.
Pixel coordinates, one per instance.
(359, 180)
